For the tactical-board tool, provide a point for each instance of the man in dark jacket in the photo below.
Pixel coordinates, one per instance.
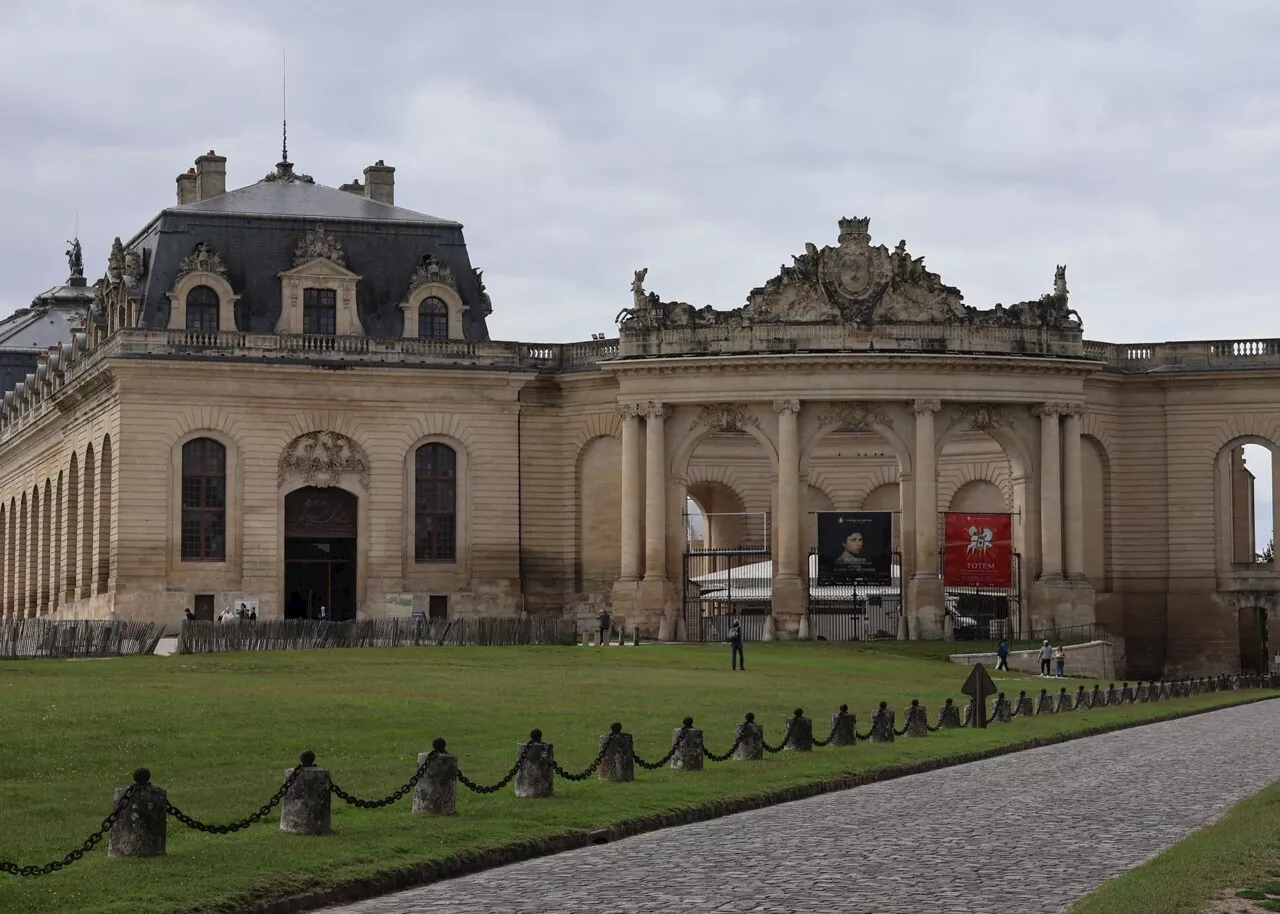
(1002, 655)
(735, 642)
(605, 623)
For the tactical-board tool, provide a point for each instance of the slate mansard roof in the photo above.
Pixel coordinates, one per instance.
(255, 230)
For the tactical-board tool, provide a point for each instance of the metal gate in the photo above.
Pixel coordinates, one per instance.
(987, 613)
(854, 612)
(723, 584)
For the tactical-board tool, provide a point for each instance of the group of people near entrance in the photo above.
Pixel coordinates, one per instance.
(1050, 657)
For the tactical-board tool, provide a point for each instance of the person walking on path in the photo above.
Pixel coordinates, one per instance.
(735, 643)
(605, 623)
(1002, 655)
(1059, 659)
(1046, 655)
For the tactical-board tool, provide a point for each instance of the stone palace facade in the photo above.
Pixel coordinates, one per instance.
(287, 394)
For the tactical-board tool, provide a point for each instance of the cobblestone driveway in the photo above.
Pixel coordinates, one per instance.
(1034, 831)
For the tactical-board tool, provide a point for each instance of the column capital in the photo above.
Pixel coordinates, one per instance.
(654, 410)
(1058, 408)
(786, 406)
(630, 410)
(920, 407)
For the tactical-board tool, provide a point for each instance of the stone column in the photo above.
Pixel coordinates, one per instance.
(1050, 491)
(305, 808)
(437, 791)
(631, 488)
(927, 604)
(655, 518)
(1073, 492)
(142, 826)
(788, 585)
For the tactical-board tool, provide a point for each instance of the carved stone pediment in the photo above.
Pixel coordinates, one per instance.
(854, 283)
(322, 458)
(431, 270)
(318, 243)
(725, 417)
(203, 259)
(855, 415)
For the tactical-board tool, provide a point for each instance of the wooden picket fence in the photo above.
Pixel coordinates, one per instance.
(27, 638)
(309, 634)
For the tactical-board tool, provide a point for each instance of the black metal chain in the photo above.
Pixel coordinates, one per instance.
(707, 753)
(654, 766)
(477, 788)
(243, 823)
(902, 732)
(591, 769)
(389, 798)
(786, 737)
(830, 736)
(862, 736)
(89, 843)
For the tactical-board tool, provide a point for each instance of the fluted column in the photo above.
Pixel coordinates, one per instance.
(788, 508)
(655, 515)
(925, 475)
(632, 460)
(1050, 491)
(1073, 492)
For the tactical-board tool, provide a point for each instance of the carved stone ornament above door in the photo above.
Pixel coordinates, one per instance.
(322, 459)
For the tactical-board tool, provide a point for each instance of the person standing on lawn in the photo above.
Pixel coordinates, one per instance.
(605, 622)
(735, 643)
(1059, 659)
(1002, 655)
(1046, 655)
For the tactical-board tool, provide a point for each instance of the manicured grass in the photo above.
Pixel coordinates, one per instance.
(218, 731)
(1241, 851)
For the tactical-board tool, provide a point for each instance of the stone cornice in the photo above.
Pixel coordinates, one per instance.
(852, 361)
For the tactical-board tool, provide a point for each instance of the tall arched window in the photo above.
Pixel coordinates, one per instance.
(202, 309)
(433, 319)
(435, 504)
(204, 501)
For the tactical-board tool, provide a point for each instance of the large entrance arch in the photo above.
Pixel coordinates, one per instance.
(320, 553)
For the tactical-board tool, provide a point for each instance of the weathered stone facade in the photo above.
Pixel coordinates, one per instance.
(323, 375)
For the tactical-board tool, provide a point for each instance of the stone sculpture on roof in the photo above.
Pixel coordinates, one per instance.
(853, 283)
(318, 243)
(431, 270)
(75, 258)
(203, 259)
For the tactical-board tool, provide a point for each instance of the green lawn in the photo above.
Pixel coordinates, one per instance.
(1239, 852)
(218, 731)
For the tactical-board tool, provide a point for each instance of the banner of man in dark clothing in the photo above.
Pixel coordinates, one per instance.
(855, 547)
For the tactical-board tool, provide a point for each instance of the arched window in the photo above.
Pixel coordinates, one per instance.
(433, 319)
(435, 504)
(202, 309)
(204, 501)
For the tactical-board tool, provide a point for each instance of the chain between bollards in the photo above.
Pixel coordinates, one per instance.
(307, 759)
(390, 798)
(590, 769)
(534, 737)
(654, 766)
(140, 777)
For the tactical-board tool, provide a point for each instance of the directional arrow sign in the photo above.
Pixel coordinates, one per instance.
(978, 687)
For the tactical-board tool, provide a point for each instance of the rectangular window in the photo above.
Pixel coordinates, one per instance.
(320, 311)
(437, 607)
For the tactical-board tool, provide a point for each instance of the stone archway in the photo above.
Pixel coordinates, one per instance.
(320, 553)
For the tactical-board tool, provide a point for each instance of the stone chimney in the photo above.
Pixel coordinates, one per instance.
(380, 182)
(211, 175)
(355, 187)
(187, 187)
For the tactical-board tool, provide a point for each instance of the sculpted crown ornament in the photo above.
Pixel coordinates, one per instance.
(855, 415)
(724, 417)
(204, 259)
(431, 270)
(323, 458)
(981, 416)
(318, 243)
(852, 283)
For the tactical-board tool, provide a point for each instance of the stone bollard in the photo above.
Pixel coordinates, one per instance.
(1024, 707)
(948, 716)
(799, 730)
(536, 776)
(622, 637)
(437, 790)
(882, 724)
(1001, 710)
(1063, 703)
(305, 807)
(1098, 698)
(1156, 691)
(142, 825)
(688, 751)
(749, 738)
(586, 639)
(1142, 694)
(971, 714)
(617, 763)
(917, 723)
(844, 728)
(1082, 700)
(1044, 705)
(1118, 698)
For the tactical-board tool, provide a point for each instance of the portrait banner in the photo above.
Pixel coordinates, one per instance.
(855, 547)
(977, 550)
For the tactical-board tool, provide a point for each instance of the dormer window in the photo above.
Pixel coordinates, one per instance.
(202, 309)
(433, 319)
(320, 311)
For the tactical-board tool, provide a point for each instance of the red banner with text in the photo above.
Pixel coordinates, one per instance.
(977, 550)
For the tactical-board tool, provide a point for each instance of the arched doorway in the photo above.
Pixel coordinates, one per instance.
(320, 553)
(1253, 640)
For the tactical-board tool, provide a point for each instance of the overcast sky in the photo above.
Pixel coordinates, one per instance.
(1139, 143)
